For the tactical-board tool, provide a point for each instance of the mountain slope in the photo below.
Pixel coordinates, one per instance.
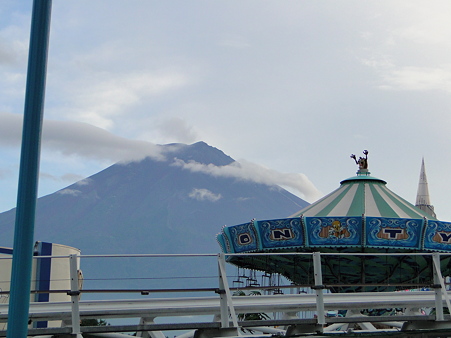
(153, 206)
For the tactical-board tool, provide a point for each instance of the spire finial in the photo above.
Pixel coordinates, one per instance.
(423, 201)
(362, 162)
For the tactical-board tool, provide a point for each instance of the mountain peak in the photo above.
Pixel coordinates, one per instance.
(154, 206)
(199, 152)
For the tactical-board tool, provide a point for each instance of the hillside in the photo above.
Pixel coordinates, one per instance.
(153, 206)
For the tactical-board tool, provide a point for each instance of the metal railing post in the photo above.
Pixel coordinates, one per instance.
(74, 294)
(439, 288)
(319, 287)
(226, 302)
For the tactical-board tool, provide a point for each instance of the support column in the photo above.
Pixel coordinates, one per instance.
(226, 308)
(74, 295)
(226, 302)
(440, 289)
(319, 287)
(149, 334)
(363, 325)
(29, 169)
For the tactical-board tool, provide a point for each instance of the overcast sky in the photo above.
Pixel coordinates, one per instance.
(288, 88)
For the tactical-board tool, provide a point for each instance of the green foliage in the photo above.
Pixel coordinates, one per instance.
(445, 311)
(93, 322)
(250, 316)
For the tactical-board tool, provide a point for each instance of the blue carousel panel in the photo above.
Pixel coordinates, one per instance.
(222, 238)
(438, 236)
(243, 237)
(341, 231)
(394, 232)
(276, 233)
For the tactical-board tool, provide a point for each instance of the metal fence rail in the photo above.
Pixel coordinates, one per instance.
(222, 305)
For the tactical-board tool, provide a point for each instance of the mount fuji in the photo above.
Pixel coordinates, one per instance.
(154, 206)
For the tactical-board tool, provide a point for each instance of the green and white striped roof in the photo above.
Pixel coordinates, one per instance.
(362, 195)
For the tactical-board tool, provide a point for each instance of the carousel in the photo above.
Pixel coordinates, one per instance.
(362, 217)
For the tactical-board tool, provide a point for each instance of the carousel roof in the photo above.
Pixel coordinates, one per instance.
(363, 195)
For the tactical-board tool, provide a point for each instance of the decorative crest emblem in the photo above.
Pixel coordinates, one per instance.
(361, 162)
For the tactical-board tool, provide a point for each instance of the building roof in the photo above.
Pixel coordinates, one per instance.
(423, 201)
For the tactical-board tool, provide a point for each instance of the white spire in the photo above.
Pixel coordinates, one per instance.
(423, 201)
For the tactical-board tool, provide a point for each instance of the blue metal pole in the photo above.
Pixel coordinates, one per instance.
(19, 302)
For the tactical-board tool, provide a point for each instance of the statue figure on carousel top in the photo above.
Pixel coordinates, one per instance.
(361, 162)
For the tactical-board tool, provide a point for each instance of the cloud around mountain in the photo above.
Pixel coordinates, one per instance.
(204, 195)
(80, 139)
(249, 171)
(70, 138)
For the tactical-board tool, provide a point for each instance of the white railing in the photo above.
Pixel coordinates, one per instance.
(221, 303)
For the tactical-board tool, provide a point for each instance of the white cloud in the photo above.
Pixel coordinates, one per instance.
(85, 181)
(80, 139)
(248, 171)
(12, 50)
(44, 175)
(10, 129)
(83, 140)
(7, 56)
(415, 78)
(177, 130)
(204, 195)
(71, 192)
(418, 78)
(408, 46)
(104, 96)
(424, 22)
(379, 63)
